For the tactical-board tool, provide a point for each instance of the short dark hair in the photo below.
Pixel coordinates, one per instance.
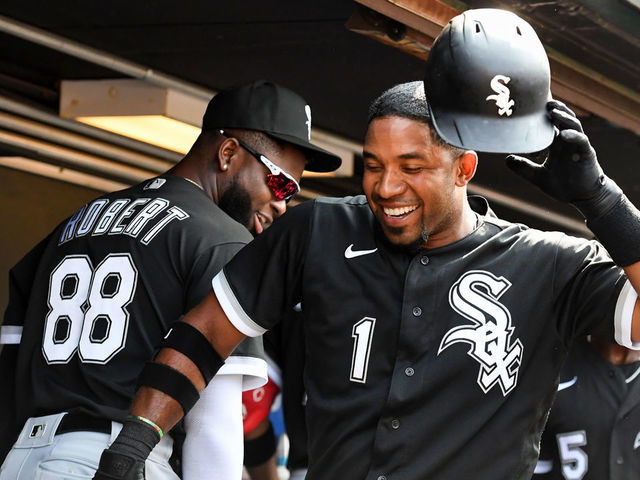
(408, 100)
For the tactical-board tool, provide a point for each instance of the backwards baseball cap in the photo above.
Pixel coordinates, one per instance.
(272, 109)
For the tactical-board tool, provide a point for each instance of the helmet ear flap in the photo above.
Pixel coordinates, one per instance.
(487, 83)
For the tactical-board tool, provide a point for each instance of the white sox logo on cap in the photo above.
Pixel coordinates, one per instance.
(503, 102)
(475, 296)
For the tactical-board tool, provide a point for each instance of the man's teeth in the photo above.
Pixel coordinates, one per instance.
(396, 212)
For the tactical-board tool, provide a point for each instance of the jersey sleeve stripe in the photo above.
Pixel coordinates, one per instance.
(253, 371)
(232, 308)
(10, 334)
(624, 316)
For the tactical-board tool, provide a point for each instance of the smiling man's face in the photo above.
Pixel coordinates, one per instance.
(412, 183)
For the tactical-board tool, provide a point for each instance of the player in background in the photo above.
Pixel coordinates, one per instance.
(593, 431)
(284, 348)
(434, 335)
(92, 302)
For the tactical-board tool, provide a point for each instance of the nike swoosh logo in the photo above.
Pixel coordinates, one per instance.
(351, 253)
(567, 384)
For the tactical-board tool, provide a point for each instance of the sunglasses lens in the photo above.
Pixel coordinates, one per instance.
(283, 188)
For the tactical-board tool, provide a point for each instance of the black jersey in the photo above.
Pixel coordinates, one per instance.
(96, 297)
(435, 364)
(593, 431)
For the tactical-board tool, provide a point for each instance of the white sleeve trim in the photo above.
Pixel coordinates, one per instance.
(232, 308)
(253, 370)
(10, 334)
(543, 466)
(274, 371)
(624, 316)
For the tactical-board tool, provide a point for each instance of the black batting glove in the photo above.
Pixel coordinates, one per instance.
(124, 459)
(571, 173)
(119, 466)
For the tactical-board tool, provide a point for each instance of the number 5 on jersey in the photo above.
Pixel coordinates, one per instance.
(87, 308)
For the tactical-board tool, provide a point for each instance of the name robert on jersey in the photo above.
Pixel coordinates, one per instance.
(119, 217)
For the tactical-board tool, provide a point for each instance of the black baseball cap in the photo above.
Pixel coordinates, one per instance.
(274, 110)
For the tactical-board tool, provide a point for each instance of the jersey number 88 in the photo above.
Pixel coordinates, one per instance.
(87, 308)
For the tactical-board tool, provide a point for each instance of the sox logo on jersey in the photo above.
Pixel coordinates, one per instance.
(475, 296)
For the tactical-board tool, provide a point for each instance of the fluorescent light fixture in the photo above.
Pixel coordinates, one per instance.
(133, 108)
(157, 130)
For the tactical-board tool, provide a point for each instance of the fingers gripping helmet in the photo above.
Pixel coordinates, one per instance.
(487, 84)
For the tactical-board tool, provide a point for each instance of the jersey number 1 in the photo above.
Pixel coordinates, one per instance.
(87, 308)
(363, 334)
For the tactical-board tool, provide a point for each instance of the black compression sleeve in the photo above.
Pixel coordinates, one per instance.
(189, 341)
(170, 381)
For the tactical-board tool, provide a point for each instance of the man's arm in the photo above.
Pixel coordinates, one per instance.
(209, 318)
(571, 173)
(261, 443)
(21, 279)
(153, 411)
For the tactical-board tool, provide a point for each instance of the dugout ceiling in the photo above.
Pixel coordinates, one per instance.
(339, 54)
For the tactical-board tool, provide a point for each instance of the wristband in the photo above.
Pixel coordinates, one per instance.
(261, 449)
(618, 230)
(148, 422)
(171, 382)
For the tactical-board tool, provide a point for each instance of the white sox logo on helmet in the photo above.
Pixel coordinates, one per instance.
(502, 100)
(475, 296)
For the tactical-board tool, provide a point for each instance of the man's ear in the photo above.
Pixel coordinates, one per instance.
(466, 167)
(226, 150)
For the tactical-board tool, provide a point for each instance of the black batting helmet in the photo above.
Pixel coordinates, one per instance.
(487, 84)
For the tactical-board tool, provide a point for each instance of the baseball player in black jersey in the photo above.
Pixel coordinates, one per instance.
(593, 431)
(92, 302)
(434, 335)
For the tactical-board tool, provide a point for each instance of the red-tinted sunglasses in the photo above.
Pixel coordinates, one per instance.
(283, 185)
